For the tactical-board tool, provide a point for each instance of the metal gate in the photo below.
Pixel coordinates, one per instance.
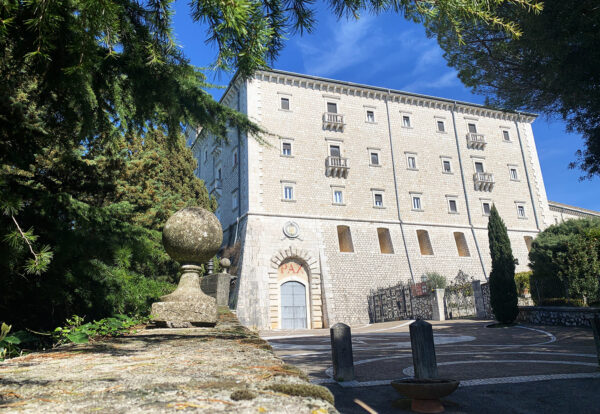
(399, 302)
(459, 300)
(293, 305)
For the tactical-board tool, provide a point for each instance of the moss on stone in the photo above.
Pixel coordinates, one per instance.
(239, 395)
(304, 390)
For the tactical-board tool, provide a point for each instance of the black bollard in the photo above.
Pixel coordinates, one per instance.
(596, 329)
(341, 352)
(423, 350)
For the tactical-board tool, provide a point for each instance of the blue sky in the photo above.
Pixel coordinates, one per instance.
(391, 52)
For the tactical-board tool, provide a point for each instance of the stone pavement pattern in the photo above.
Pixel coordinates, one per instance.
(507, 360)
(160, 371)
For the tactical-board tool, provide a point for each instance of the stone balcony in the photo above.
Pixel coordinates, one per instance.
(333, 121)
(336, 167)
(476, 141)
(483, 181)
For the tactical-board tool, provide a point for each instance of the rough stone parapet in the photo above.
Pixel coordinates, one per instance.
(227, 368)
(557, 315)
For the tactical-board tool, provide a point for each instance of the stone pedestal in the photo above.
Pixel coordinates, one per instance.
(187, 306)
(438, 305)
(341, 352)
(423, 350)
(217, 286)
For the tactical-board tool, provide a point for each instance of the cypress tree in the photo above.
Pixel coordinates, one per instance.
(503, 290)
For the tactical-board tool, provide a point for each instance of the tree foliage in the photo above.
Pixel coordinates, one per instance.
(565, 261)
(552, 68)
(503, 290)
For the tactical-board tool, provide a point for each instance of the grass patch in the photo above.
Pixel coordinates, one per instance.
(257, 342)
(239, 395)
(304, 390)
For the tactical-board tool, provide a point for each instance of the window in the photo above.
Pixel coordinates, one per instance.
(285, 104)
(472, 128)
(416, 203)
(411, 162)
(371, 116)
(486, 208)
(288, 192)
(479, 166)
(334, 151)
(528, 241)
(506, 135)
(332, 107)
(234, 200)
(374, 158)
(521, 211)
(424, 243)
(286, 149)
(452, 206)
(446, 166)
(235, 157)
(461, 244)
(513, 173)
(406, 121)
(385, 241)
(345, 239)
(205, 156)
(440, 126)
(219, 175)
(338, 196)
(378, 200)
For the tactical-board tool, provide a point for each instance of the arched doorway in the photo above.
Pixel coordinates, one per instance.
(293, 305)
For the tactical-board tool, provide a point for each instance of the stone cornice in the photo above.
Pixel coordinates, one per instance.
(576, 211)
(378, 93)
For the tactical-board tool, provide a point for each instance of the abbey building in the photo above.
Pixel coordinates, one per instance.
(361, 187)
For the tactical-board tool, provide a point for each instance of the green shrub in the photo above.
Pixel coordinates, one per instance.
(435, 280)
(522, 281)
(561, 302)
(565, 262)
(503, 291)
(77, 332)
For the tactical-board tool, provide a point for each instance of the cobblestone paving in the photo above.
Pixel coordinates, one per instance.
(160, 370)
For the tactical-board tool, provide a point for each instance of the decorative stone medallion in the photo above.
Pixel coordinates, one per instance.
(291, 230)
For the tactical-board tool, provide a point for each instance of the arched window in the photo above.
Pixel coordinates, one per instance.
(461, 244)
(424, 243)
(345, 239)
(385, 241)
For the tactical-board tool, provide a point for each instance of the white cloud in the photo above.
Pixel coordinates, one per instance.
(446, 80)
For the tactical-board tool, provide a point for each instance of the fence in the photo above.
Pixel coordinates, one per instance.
(399, 302)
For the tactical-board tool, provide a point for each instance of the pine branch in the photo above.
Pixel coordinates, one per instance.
(24, 237)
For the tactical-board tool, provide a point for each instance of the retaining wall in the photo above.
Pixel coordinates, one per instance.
(557, 315)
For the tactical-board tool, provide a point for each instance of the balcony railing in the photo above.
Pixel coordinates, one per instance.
(476, 141)
(336, 167)
(333, 121)
(483, 181)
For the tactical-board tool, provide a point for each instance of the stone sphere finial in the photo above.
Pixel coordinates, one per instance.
(192, 235)
(225, 263)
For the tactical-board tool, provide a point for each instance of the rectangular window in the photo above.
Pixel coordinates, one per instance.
(520, 210)
(478, 167)
(385, 241)
(416, 203)
(452, 207)
(235, 158)
(406, 121)
(219, 175)
(370, 116)
(374, 158)
(334, 151)
(288, 192)
(378, 200)
(332, 107)
(285, 104)
(234, 201)
(338, 197)
(286, 149)
(513, 174)
(412, 162)
(506, 135)
(446, 166)
(486, 208)
(440, 126)
(472, 128)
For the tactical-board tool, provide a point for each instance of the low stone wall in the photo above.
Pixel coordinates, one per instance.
(557, 315)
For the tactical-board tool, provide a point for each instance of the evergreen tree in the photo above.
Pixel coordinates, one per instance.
(503, 290)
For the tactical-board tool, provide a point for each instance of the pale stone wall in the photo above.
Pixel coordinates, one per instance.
(338, 283)
(561, 212)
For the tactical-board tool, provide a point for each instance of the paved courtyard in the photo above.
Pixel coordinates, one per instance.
(516, 369)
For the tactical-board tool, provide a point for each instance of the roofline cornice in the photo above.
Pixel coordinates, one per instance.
(376, 92)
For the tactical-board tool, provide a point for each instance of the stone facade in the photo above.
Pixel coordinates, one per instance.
(561, 212)
(363, 167)
(557, 315)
